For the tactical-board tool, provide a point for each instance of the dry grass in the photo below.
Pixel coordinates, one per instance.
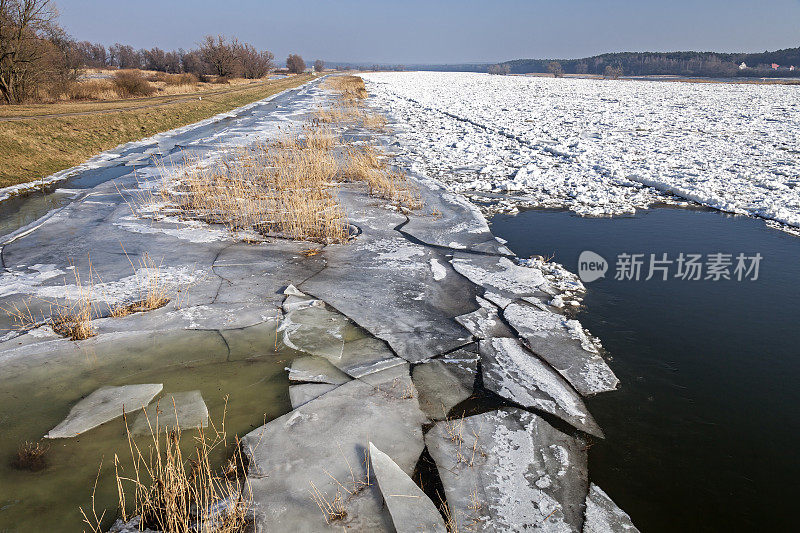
(61, 142)
(374, 121)
(450, 518)
(364, 163)
(342, 112)
(73, 319)
(102, 89)
(177, 493)
(335, 507)
(31, 456)
(283, 189)
(152, 288)
(349, 87)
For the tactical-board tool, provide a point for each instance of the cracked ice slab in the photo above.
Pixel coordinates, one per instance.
(316, 370)
(458, 223)
(603, 515)
(302, 394)
(104, 404)
(509, 470)
(411, 509)
(384, 283)
(485, 323)
(503, 280)
(445, 381)
(188, 408)
(309, 326)
(564, 344)
(335, 430)
(514, 373)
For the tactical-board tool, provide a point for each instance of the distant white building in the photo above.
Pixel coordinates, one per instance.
(743, 66)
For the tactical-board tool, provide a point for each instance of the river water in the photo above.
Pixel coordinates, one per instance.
(702, 433)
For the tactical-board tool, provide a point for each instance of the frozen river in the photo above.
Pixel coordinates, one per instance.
(603, 147)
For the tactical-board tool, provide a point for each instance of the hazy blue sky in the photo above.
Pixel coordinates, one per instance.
(416, 31)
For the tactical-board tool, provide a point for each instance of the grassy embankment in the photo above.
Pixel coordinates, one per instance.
(35, 147)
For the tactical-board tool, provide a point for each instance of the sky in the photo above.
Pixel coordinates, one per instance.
(446, 31)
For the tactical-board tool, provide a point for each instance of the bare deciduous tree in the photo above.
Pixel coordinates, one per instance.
(613, 72)
(319, 65)
(295, 64)
(252, 63)
(124, 56)
(499, 69)
(554, 68)
(31, 47)
(219, 56)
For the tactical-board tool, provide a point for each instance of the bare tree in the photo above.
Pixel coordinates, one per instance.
(319, 65)
(219, 56)
(172, 61)
(91, 55)
(554, 68)
(252, 63)
(31, 45)
(295, 64)
(124, 56)
(155, 59)
(613, 72)
(499, 69)
(192, 62)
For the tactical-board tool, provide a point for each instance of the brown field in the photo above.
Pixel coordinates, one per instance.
(38, 140)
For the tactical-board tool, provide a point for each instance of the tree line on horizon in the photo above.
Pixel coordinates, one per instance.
(38, 59)
(705, 64)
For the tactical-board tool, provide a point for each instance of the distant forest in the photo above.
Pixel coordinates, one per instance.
(711, 64)
(676, 63)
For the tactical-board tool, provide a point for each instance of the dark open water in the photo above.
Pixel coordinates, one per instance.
(703, 433)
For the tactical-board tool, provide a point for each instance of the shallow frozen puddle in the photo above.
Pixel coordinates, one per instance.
(39, 388)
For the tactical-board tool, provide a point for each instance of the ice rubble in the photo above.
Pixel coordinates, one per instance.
(601, 147)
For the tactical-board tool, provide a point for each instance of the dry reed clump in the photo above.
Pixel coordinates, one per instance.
(185, 78)
(73, 319)
(342, 112)
(31, 456)
(374, 121)
(349, 87)
(177, 492)
(367, 164)
(153, 289)
(92, 90)
(284, 189)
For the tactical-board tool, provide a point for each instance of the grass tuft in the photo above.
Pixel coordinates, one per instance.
(31, 456)
(283, 189)
(364, 163)
(176, 492)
